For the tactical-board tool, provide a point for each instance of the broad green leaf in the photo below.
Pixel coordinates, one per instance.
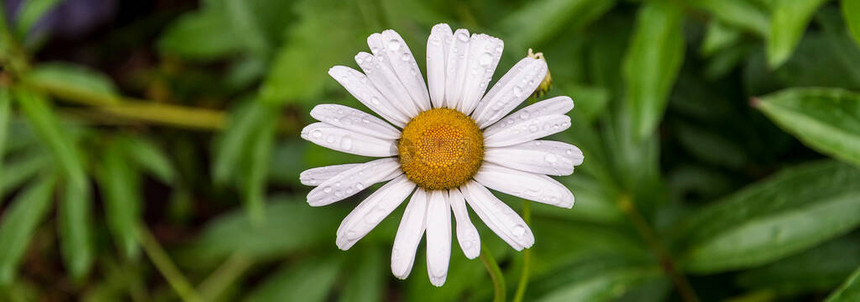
(30, 12)
(233, 146)
(74, 223)
(788, 23)
(849, 291)
(257, 164)
(74, 80)
(122, 198)
(289, 225)
(299, 69)
(572, 242)
(244, 22)
(367, 280)
(66, 154)
(652, 63)
(18, 224)
(827, 120)
(792, 211)
(150, 157)
(851, 12)
(598, 278)
(200, 36)
(817, 270)
(740, 13)
(306, 280)
(538, 21)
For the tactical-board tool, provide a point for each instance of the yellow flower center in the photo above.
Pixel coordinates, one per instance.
(441, 149)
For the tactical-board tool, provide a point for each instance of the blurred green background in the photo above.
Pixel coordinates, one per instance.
(150, 150)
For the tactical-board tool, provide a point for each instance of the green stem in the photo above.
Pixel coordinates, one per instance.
(495, 274)
(226, 274)
(686, 291)
(527, 256)
(166, 267)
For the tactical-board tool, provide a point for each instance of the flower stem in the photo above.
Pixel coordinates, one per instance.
(495, 274)
(527, 256)
(164, 265)
(686, 291)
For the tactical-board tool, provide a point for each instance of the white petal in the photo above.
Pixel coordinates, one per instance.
(540, 188)
(360, 87)
(372, 210)
(510, 91)
(398, 56)
(409, 235)
(437, 53)
(385, 80)
(352, 181)
(540, 156)
(455, 65)
(553, 106)
(354, 119)
(484, 54)
(467, 234)
(348, 141)
(438, 237)
(521, 131)
(316, 176)
(498, 216)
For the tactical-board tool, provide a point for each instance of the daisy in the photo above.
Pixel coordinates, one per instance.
(445, 146)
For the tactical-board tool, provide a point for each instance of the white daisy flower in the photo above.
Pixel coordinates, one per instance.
(445, 146)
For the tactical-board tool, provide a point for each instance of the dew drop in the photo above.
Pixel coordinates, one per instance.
(393, 45)
(374, 100)
(518, 92)
(463, 37)
(533, 128)
(330, 139)
(486, 59)
(327, 189)
(317, 133)
(550, 158)
(519, 230)
(359, 186)
(524, 115)
(346, 143)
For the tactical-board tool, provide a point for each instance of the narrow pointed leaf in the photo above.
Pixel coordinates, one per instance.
(18, 224)
(151, 158)
(827, 120)
(849, 291)
(231, 148)
(257, 168)
(652, 63)
(52, 134)
(121, 193)
(851, 12)
(5, 113)
(75, 227)
(788, 23)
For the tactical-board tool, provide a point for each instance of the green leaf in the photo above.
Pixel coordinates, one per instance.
(851, 12)
(150, 157)
(538, 21)
(121, 193)
(823, 59)
(739, 13)
(73, 79)
(590, 102)
(849, 291)
(299, 70)
(200, 36)
(258, 161)
(5, 112)
(367, 280)
(593, 279)
(244, 22)
(720, 36)
(66, 154)
(306, 280)
(827, 120)
(816, 270)
(652, 63)
(30, 12)
(74, 228)
(289, 225)
(793, 211)
(19, 223)
(25, 169)
(245, 121)
(789, 21)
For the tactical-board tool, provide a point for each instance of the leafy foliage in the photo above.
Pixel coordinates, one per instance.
(155, 157)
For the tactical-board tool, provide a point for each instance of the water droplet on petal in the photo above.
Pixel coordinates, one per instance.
(550, 158)
(317, 133)
(346, 143)
(519, 230)
(393, 45)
